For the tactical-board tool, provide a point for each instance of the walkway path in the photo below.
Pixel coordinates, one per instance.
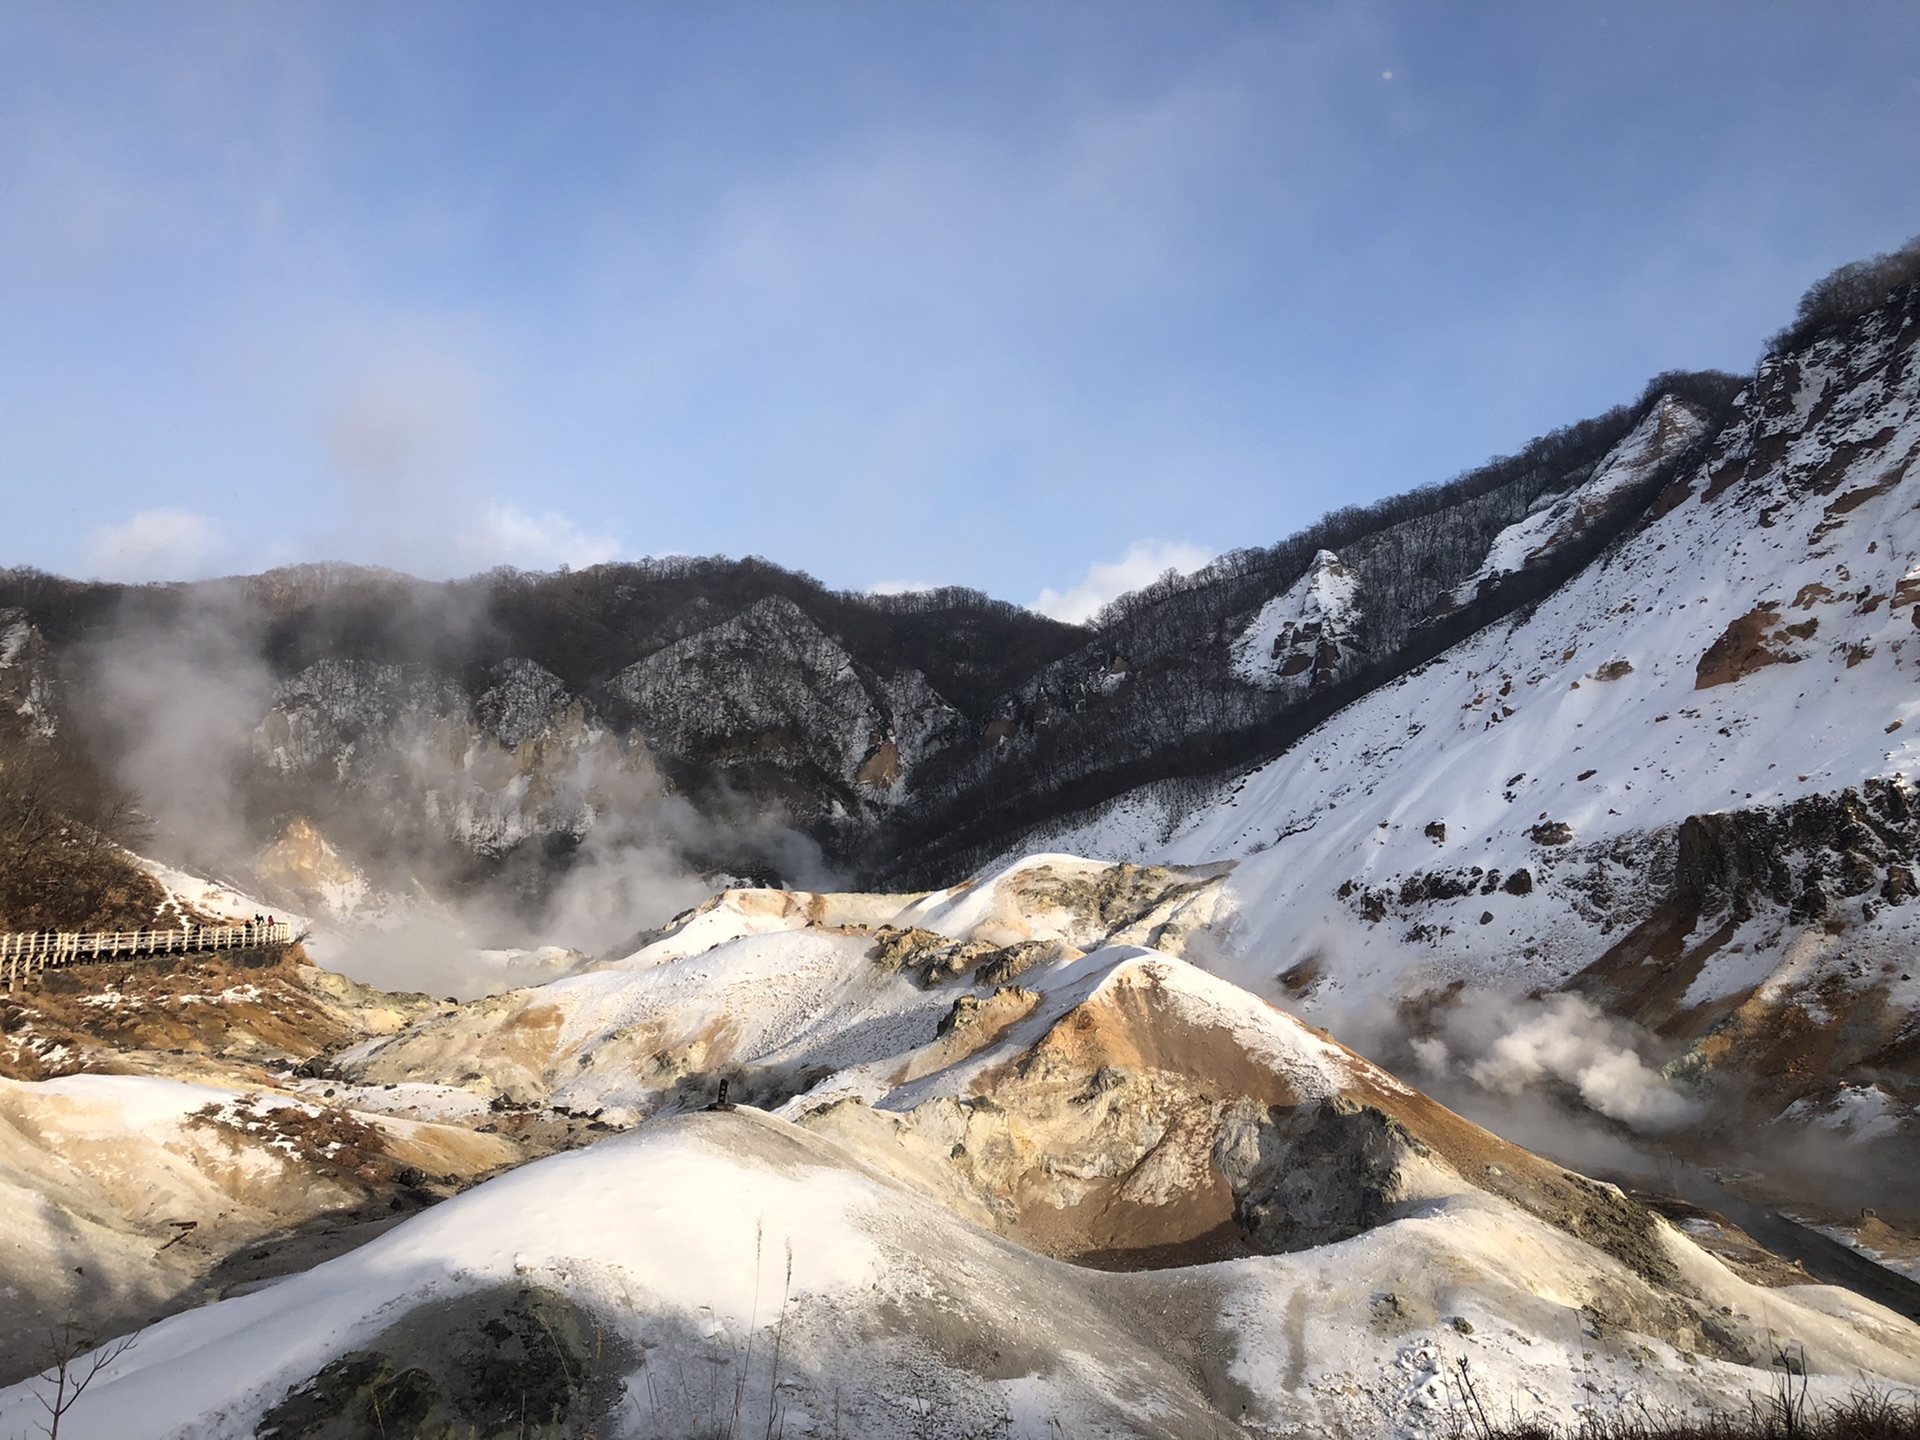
(22, 955)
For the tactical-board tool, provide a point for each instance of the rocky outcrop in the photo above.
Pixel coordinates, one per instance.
(1749, 643)
(1308, 637)
(1806, 858)
(769, 690)
(1620, 483)
(26, 677)
(1317, 1174)
(403, 757)
(1816, 415)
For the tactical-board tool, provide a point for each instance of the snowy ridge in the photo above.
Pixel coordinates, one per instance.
(1753, 645)
(1669, 427)
(1313, 1067)
(1309, 634)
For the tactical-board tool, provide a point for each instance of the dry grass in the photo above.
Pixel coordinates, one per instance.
(1869, 1412)
(1866, 1415)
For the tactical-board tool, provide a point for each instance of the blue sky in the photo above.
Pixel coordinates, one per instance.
(1033, 297)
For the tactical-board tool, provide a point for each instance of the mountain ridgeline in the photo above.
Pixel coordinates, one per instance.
(909, 735)
(499, 720)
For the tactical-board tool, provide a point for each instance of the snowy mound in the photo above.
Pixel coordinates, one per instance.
(739, 1257)
(121, 1188)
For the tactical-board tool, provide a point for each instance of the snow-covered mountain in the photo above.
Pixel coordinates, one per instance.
(1310, 635)
(1576, 794)
(437, 731)
(1680, 784)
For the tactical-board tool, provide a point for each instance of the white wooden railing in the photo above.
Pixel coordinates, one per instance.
(22, 955)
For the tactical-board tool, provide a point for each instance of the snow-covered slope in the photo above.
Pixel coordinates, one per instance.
(952, 1095)
(1682, 780)
(123, 1192)
(1669, 427)
(740, 1255)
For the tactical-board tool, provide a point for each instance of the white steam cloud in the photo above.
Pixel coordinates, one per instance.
(1535, 1070)
(1514, 1047)
(1106, 581)
(174, 700)
(390, 858)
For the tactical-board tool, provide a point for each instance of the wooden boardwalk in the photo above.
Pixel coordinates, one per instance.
(23, 955)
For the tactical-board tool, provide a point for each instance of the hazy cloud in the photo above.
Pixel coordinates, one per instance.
(506, 535)
(1107, 580)
(153, 545)
(985, 290)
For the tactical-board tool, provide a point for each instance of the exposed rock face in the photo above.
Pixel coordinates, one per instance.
(304, 864)
(1827, 416)
(1821, 884)
(1753, 640)
(1317, 1174)
(524, 703)
(26, 680)
(1667, 431)
(407, 747)
(1123, 903)
(1308, 637)
(1801, 857)
(769, 688)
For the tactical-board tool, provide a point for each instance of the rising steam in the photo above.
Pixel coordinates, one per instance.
(457, 867)
(1512, 1047)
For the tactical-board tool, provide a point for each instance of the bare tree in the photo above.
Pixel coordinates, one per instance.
(76, 1362)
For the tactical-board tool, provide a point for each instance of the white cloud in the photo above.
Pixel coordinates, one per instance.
(1105, 581)
(506, 535)
(153, 545)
